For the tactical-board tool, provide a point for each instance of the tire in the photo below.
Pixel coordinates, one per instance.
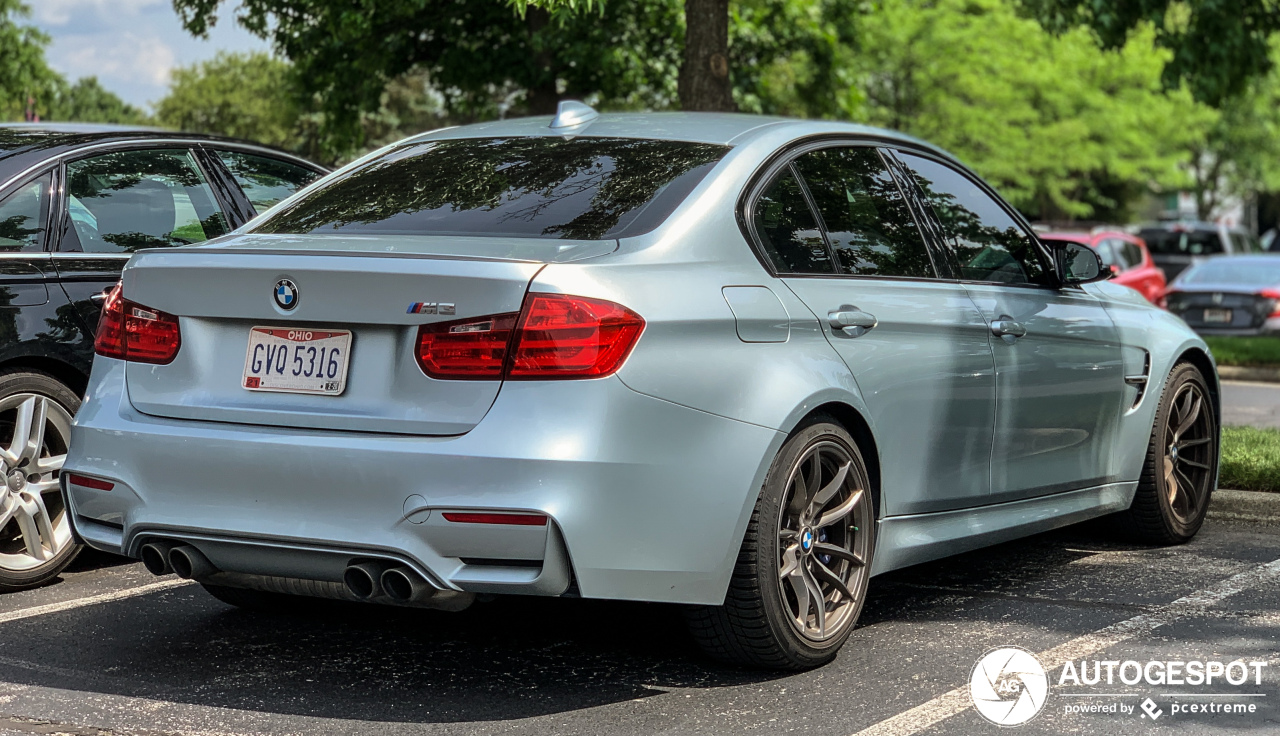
(759, 624)
(1183, 462)
(31, 503)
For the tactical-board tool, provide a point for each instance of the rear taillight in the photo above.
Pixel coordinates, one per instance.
(132, 332)
(554, 336)
(1274, 296)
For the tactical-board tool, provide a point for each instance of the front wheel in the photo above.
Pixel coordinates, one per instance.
(1181, 464)
(801, 576)
(35, 427)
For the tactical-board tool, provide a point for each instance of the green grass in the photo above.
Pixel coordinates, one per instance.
(1245, 351)
(1250, 459)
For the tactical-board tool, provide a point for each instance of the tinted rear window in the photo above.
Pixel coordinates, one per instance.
(585, 189)
(1246, 272)
(1177, 242)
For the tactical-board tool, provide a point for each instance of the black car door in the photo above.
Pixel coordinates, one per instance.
(122, 200)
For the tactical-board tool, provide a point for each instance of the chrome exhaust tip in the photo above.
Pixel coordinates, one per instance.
(155, 557)
(190, 563)
(363, 579)
(403, 585)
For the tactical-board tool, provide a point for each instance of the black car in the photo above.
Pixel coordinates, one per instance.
(75, 202)
(1229, 296)
(1175, 246)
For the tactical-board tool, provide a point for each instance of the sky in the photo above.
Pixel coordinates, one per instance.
(130, 45)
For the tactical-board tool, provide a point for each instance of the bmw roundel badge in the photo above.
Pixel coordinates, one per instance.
(286, 294)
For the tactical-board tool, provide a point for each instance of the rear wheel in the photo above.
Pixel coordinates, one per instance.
(801, 575)
(1181, 464)
(35, 427)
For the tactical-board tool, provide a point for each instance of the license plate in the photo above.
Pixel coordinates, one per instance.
(1217, 315)
(297, 361)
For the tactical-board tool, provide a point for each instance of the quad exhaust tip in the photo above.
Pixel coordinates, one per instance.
(155, 557)
(404, 585)
(364, 579)
(190, 563)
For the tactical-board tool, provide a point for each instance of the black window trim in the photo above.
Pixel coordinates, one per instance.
(784, 159)
(13, 185)
(1046, 256)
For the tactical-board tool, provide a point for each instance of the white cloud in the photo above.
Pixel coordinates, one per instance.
(129, 58)
(61, 12)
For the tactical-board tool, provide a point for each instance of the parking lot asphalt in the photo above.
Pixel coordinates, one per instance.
(1250, 404)
(99, 653)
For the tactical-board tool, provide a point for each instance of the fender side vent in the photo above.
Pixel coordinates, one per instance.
(1140, 382)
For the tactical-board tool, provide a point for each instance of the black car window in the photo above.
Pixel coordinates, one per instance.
(1132, 253)
(23, 215)
(1248, 273)
(531, 187)
(265, 181)
(128, 200)
(1182, 242)
(989, 245)
(787, 229)
(868, 222)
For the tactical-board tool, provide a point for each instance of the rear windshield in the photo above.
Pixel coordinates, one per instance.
(1179, 242)
(1242, 272)
(583, 189)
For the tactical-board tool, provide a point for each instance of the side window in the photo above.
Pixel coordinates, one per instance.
(265, 181)
(23, 215)
(868, 222)
(128, 200)
(788, 230)
(1107, 251)
(1132, 253)
(989, 245)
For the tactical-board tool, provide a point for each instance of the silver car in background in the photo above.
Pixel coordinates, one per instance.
(733, 362)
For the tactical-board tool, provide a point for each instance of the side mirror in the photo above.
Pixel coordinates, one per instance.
(1077, 263)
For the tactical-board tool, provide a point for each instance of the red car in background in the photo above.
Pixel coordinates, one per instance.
(1126, 255)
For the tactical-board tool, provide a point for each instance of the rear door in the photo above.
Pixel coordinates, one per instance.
(120, 201)
(914, 342)
(1059, 379)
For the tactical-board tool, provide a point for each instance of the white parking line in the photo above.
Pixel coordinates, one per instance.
(92, 600)
(957, 701)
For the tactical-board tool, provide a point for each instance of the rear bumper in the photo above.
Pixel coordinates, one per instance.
(646, 500)
(1269, 327)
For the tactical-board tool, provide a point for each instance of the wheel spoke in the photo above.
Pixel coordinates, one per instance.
(800, 587)
(8, 507)
(29, 530)
(829, 491)
(1180, 444)
(1170, 481)
(840, 511)
(1192, 463)
(841, 552)
(1189, 494)
(799, 492)
(785, 535)
(50, 464)
(790, 561)
(23, 424)
(821, 572)
(1188, 418)
(819, 603)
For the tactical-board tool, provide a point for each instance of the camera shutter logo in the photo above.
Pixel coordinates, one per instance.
(286, 294)
(1008, 686)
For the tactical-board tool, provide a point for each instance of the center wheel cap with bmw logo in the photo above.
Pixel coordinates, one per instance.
(286, 294)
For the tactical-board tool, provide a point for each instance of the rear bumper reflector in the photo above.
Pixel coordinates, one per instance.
(512, 519)
(86, 482)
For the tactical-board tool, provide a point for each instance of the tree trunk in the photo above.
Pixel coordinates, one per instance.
(704, 75)
(542, 95)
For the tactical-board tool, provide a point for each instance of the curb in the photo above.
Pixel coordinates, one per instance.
(1268, 374)
(1254, 507)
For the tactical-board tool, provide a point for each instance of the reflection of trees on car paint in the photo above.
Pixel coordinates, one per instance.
(526, 187)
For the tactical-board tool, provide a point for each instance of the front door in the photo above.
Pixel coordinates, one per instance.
(119, 202)
(1059, 378)
(915, 344)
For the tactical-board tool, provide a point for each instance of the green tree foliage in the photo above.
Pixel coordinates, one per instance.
(87, 101)
(247, 96)
(24, 74)
(1217, 46)
(481, 56)
(1064, 129)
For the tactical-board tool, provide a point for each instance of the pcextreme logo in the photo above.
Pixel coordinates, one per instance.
(1009, 686)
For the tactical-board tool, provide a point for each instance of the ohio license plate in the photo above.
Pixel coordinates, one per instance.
(1221, 316)
(297, 361)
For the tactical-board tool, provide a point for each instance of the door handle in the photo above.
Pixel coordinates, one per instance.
(1006, 327)
(851, 321)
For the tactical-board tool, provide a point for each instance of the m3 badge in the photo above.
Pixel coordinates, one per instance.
(431, 308)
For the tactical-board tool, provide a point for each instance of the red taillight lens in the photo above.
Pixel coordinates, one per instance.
(554, 336)
(508, 519)
(466, 349)
(1274, 296)
(136, 333)
(572, 337)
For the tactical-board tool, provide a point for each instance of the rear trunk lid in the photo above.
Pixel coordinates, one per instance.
(1219, 308)
(368, 286)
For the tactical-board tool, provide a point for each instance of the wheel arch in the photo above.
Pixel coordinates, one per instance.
(71, 376)
(857, 426)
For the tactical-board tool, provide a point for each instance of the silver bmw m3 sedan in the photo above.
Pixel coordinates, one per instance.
(739, 363)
